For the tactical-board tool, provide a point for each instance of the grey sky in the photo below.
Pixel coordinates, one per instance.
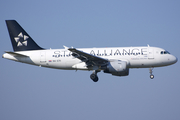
(33, 93)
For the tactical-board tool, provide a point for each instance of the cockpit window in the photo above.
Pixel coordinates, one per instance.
(165, 52)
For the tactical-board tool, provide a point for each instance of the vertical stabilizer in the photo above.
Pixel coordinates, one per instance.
(20, 40)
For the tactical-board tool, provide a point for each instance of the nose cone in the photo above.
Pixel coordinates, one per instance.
(174, 59)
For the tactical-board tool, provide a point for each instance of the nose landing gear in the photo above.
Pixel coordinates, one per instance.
(151, 71)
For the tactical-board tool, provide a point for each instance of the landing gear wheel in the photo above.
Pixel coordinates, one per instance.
(151, 71)
(94, 77)
(151, 76)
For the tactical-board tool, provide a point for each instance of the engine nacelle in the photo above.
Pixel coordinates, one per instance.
(117, 68)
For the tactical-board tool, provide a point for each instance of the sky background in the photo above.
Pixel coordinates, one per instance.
(34, 93)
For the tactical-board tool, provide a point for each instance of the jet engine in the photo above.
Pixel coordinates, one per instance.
(117, 68)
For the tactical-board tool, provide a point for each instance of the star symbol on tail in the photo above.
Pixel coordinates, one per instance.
(21, 40)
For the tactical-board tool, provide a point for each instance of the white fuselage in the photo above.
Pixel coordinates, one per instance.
(136, 57)
(115, 61)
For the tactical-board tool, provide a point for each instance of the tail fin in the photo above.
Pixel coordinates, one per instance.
(21, 41)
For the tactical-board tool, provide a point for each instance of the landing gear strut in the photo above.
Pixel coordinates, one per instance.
(94, 76)
(151, 71)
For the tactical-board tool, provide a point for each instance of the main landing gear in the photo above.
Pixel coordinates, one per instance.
(94, 76)
(151, 71)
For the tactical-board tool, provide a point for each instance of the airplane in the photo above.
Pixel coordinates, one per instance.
(113, 60)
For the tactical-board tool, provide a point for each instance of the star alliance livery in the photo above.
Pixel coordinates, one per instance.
(116, 61)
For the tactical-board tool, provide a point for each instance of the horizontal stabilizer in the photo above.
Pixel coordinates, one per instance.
(15, 54)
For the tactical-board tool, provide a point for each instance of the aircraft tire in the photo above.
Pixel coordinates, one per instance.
(94, 77)
(151, 76)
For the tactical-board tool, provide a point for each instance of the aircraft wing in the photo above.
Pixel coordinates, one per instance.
(90, 60)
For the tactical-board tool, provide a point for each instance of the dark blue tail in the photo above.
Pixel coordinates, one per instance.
(21, 41)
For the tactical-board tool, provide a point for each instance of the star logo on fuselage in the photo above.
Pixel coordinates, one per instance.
(21, 40)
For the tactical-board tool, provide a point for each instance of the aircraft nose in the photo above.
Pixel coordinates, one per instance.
(174, 59)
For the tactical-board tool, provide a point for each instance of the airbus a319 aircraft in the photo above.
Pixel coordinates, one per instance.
(116, 61)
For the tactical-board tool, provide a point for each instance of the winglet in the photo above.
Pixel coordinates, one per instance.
(66, 47)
